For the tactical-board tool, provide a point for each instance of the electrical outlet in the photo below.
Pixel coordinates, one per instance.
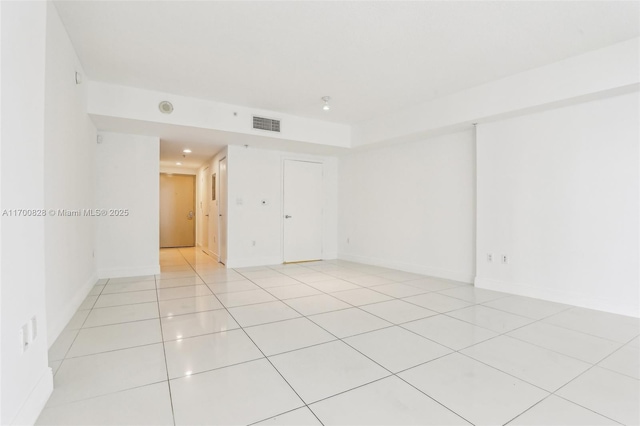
(505, 260)
(348, 241)
(253, 243)
(489, 257)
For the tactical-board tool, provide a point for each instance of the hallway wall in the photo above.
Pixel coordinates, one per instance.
(256, 175)
(26, 380)
(558, 194)
(411, 206)
(69, 166)
(202, 180)
(128, 178)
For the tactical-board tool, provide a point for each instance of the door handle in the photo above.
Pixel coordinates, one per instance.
(190, 215)
(287, 216)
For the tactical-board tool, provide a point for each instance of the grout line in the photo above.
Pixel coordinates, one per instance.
(286, 412)
(113, 350)
(267, 359)
(78, 330)
(457, 351)
(103, 394)
(400, 325)
(565, 399)
(91, 327)
(218, 368)
(164, 352)
(366, 356)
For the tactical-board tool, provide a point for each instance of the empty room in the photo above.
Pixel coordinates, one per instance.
(320, 212)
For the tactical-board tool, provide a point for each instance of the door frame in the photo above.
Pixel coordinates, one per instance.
(193, 209)
(204, 206)
(218, 200)
(303, 159)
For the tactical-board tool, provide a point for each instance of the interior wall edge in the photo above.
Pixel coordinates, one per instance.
(253, 261)
(30, 411)
(565, 297)
(410, 267)
(128, 272)
(57, 326)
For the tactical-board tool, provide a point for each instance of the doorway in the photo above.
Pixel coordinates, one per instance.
(177, 205)
(205, 208)
(302, 208)
(222, 212)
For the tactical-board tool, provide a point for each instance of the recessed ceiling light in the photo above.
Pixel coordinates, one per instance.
(178, 164)
(326, 100)
(165, 107)
(186, 151)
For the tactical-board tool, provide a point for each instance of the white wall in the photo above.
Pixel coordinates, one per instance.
(411, 206)
(26, 380)
(69, 164)
(558, 194)
(203, 200)
(599, 73)
(178, 170)
(255, 175)
(201, 207)
(109, 100)
(128, 175)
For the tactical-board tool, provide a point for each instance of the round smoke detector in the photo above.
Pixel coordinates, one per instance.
(165, 107)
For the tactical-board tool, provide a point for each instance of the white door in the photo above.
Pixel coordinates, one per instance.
(177, 210)
(222, 212)
(302, 211)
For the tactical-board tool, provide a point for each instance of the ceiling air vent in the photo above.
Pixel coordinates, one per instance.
(269, 124)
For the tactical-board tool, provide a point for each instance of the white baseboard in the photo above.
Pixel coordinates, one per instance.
(628, 308)
(135, 271)
(32, 407)
(409, 267)
(212, 253)
(54, 328)
(257, 261)
(329, 256)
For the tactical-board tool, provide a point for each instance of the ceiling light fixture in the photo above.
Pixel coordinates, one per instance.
(326, 100)
(178, 164)
(165, 107)
(186, 151)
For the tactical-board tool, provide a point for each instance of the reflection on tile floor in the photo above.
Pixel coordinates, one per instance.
(335, 342)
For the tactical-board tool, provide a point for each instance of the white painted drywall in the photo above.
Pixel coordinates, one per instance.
(558, 194)
(69, 164)
(111, 100)
(26, 380)
(411, 206)
(598, 73)
(256, 175)
(128, 175)
(201, 208)
(178, 170)
(203, 200)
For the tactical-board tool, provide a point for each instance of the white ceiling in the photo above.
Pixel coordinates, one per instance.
(371, 57)
(204, 143)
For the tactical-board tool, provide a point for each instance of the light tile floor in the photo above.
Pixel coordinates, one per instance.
(331, 343)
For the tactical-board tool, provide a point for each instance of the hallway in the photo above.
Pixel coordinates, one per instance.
(334, 342)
